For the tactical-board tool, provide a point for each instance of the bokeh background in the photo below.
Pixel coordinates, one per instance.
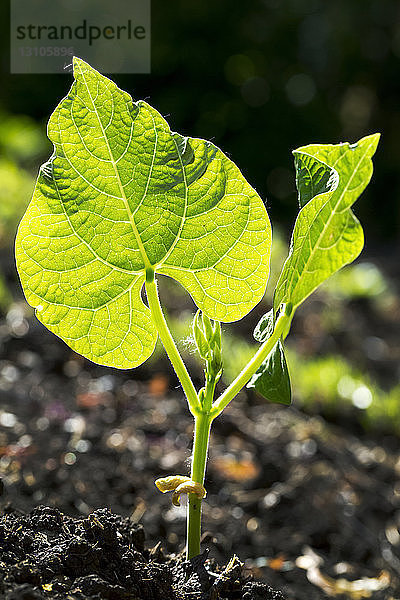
(259, 78)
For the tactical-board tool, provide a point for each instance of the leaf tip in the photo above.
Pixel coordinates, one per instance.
(76, 61)
(79, 65)
(375, 137)
(371, 140)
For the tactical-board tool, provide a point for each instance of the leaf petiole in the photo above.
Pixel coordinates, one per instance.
(170, 346)
(244, 376)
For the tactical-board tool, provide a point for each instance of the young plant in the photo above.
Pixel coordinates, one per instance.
(123, 200)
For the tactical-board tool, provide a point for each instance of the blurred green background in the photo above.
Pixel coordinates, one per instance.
(261, 78)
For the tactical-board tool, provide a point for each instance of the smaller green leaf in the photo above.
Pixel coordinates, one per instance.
(264, 327)
(326, 235)
(272, 380)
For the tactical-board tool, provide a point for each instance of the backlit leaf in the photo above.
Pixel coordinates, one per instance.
(122, 195)
(326, 235)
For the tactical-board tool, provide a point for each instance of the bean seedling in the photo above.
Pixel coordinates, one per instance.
(123, 200)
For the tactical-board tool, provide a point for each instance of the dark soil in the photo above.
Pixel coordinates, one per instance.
(46, 554)
(312, 508)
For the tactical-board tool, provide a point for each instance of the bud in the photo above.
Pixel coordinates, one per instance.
(202, 344)
(202, 395)
(208, 328)
(207, 335)
(216, 338)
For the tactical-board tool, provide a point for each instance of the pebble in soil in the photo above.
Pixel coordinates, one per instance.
(48, 555)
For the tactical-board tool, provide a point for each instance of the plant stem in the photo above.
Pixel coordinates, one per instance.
(202, 424)
(204, 412)
(251, 367)
(169, 344)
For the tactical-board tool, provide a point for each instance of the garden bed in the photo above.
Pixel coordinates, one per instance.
(46, 554)
(303, 503)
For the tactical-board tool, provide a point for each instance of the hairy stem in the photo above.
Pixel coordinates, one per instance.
(169, 344)
(202, 424)
(251, 367)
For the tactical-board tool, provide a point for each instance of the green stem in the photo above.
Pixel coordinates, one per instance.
(202, 424)
(205, 412)
(251, 367)
(169, 344)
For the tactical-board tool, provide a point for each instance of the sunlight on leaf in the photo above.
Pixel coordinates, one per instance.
(122, 194)
(326, 235)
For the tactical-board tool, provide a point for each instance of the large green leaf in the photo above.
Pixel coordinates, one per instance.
(326, 235)
(123, 195)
